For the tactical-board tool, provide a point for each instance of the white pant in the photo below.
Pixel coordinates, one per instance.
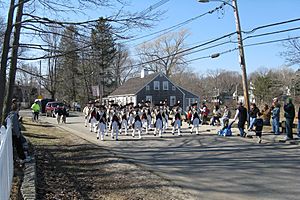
(93, 125)
(149, 120)
(138, 127)
(114, 129)
(124, 125)
(86, 121)
(196, 123)
(158, 127)
(101, 130)
(177, 125)
(145, 124)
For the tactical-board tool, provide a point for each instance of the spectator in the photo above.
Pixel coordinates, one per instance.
(275, 118)
(216, 115)
(258, 124)
(204, 113)
(58, 113)
(289, 114)
(266, 115)
(64, 115)
(253, 115)
(225, 118)
(35, 110)
(241, 114)
(16, 133)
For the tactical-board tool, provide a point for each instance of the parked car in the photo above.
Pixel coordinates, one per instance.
(52, 106)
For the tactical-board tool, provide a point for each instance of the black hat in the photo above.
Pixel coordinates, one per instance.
(194, 104)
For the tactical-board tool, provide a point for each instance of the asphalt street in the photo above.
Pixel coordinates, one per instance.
(206, 165)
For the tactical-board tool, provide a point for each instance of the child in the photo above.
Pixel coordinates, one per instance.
(259, 123)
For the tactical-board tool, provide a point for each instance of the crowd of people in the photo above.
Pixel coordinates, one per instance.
(156, 119)
(141, 118)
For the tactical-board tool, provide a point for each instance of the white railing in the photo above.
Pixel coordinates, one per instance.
(6, 161)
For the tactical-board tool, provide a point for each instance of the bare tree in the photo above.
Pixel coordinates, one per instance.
(292, 53)
(4, 55)
(164, 54)
(123, 65)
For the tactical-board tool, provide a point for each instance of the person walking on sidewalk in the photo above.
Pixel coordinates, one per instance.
(241, 115)
(35, 111)
(289, 114)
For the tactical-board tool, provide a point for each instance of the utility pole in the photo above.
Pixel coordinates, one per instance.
(240, 46)
(241, 54)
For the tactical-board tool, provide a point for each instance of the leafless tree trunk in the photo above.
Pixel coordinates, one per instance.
(4, 56)
(14, 58)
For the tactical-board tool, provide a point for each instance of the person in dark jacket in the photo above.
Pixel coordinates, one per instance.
(253, 115)
(289, 114)
(17, 135)
(259, 124)
(241, 115)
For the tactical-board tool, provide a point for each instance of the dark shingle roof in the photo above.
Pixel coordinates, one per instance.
(133, 85)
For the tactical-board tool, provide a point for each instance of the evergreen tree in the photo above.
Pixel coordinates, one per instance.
(103, 52)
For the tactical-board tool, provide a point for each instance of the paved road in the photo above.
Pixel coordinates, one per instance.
(208, 166)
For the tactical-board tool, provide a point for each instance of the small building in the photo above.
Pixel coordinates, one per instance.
(155, 87)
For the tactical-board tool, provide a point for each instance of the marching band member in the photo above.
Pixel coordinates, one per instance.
(124, 123)
(101, 117)
(145, 121)
(86, 111)
(137, 125)
(93, 120)
(195, 121)
(115, 124)
(177, 119)
(158, 124)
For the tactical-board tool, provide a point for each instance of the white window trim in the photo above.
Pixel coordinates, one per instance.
(166, 83)
(157, 85)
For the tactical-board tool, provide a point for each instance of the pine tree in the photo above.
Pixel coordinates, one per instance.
(103, 52)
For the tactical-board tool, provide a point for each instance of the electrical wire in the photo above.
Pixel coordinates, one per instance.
(174, 27)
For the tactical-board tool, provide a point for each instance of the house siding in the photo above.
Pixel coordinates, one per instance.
(182, 95)
(160, 95)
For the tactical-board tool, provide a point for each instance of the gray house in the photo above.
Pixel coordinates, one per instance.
(154, 87)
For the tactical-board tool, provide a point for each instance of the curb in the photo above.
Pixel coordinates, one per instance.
(28, 188)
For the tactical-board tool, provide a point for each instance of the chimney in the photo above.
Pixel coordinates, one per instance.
(144, 73)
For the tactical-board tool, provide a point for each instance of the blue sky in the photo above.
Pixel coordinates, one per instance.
(253, 13)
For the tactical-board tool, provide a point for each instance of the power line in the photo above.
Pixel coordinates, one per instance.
(154, 6)
(271, 33)
(248, 45)
(270, 25)
(174, 27)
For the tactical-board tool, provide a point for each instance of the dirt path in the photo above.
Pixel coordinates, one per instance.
(69, 167)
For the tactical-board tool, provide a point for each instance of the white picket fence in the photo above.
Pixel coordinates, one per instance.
(6, 161)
